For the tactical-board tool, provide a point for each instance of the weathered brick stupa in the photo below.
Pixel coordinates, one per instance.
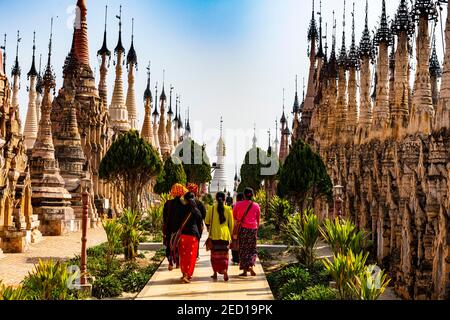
(393, 161)
(79, 89)
(18, 225)
(50, 199)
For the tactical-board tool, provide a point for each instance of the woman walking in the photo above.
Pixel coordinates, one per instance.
(248, 215)
(189, 238)
(235, 249)
(220, 222)
(172, 214)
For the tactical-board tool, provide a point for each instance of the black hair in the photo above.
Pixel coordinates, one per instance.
(248, 193)
(220, 197)
(240, 197)
(189, 196)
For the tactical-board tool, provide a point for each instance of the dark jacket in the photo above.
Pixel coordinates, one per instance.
(173, 214)
(194, 225)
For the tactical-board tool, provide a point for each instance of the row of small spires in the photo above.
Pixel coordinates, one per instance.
(404, 21)
(131, 60)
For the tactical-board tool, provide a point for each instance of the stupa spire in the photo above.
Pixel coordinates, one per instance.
(422, 111)
(118, 109)
(131, 96)
(31, 123)
(3, 63)
(16, 71)
(33, 71)
(80, 35)
(147, 130)
(105, 55)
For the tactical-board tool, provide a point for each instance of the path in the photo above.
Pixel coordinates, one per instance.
(14, 267)
(167, 285)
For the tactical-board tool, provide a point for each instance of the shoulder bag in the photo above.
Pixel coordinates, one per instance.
(237, 229)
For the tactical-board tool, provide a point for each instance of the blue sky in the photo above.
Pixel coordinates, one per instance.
(229, 58)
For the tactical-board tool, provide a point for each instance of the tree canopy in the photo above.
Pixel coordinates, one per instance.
(129, 165)
(195, 161)
(171, 174)
(257, 167)
(303, 176)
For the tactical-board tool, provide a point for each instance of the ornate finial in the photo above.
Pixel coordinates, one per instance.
(33, 72)
(366, 48)
(49, 78)
(383, 33)
(304, 88)
(163, 93)
(320, 53)
(104, 49)
(16, 69)
(176, 109)
(119, 48)
(4, 53)
(283, 117)
(148, 92)
(326, 40)
(343, 55)
(221, 127)
(312, 31)
(170, 112)
(188, 121)
(426, 8)
(39, 77)
(156, 112)
(296, 107)
(403, 21)
(353, 58)
(132, 56)
(435, 66)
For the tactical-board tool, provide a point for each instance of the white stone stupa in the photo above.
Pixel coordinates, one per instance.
(219, 182)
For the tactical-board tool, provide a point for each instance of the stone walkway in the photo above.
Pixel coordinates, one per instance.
(167, 285)
(14, 267)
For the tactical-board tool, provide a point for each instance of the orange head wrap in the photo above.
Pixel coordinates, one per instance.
(192, 187)
(178, 190)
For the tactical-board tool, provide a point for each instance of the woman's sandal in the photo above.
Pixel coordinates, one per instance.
(252, 272)
(186, 280)
(225, 277)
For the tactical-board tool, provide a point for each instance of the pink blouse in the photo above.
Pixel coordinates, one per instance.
(253, 218)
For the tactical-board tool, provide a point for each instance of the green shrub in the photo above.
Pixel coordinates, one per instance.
(130, 224)
(343, 236)
(279, 211)
(369, 284)
(295, 285)
(113, 230)
(50, 281)
(319, 293)
(135, 281)
(344, 269)
(264, 255)
(261, 199)
(289, 280)
(266, 231)
(107, 287)
(302, 232)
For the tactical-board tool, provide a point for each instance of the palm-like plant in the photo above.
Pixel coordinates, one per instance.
(131, 225)
(113, 232)
(303, 233)
(12, 294)
(369, 284)
(344, 269)
(279, 211)
(343, 236)
(50, 281)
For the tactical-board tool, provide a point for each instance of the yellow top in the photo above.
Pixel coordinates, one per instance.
(216, 230)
